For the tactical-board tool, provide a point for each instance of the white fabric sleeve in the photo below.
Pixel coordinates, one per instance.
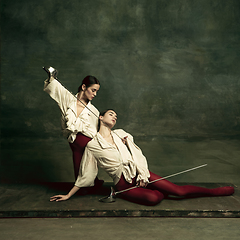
(88, 170)
(57, 92)
(137, 155)
(139, 159)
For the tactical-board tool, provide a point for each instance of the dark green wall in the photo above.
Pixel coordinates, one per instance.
(169, 68)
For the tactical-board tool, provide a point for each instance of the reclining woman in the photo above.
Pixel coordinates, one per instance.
(116, 152)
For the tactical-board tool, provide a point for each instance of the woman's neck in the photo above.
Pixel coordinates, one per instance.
(82, 98)
(105, 131)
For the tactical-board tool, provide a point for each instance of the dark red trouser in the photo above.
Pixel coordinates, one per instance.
(155, 192)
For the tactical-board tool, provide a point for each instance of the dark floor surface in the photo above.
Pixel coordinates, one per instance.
(25, 200)
(120, 228)
(27, 212)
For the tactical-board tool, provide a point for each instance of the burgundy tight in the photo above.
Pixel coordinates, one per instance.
(78, 147)
(155, 192)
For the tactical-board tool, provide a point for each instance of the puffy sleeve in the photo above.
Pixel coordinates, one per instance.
(88, 170)
(137, 155)
(59, 93)
(140, 160)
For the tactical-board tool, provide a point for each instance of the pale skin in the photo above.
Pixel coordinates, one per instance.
(86, 95)
(107, 122)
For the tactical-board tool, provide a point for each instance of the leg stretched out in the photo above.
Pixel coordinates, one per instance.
(157, 191)
(169, 188)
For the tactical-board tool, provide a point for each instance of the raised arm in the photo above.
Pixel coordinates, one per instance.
(58, 92)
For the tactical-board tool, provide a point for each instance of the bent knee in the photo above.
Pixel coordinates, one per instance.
(154, 198)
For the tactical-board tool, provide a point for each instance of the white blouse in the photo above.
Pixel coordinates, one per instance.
(86, 122)
(115, 160)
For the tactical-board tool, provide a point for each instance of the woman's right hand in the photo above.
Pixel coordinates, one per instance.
(142, 184)
(59, 198)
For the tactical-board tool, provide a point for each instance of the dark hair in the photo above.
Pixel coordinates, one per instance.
(88, 81)
(102, 113)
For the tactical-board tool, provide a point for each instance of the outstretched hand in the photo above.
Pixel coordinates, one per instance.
(59, 198)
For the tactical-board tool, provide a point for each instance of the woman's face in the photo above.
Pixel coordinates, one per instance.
(110, 118)
(91, 91)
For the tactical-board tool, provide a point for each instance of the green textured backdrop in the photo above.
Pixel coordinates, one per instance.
(169, 68)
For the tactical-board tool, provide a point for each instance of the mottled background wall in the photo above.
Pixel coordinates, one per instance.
(169, 68)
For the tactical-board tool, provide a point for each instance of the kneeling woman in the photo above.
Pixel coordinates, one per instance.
(116, 153)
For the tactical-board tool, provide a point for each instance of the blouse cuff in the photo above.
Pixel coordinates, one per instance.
(143, 178)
